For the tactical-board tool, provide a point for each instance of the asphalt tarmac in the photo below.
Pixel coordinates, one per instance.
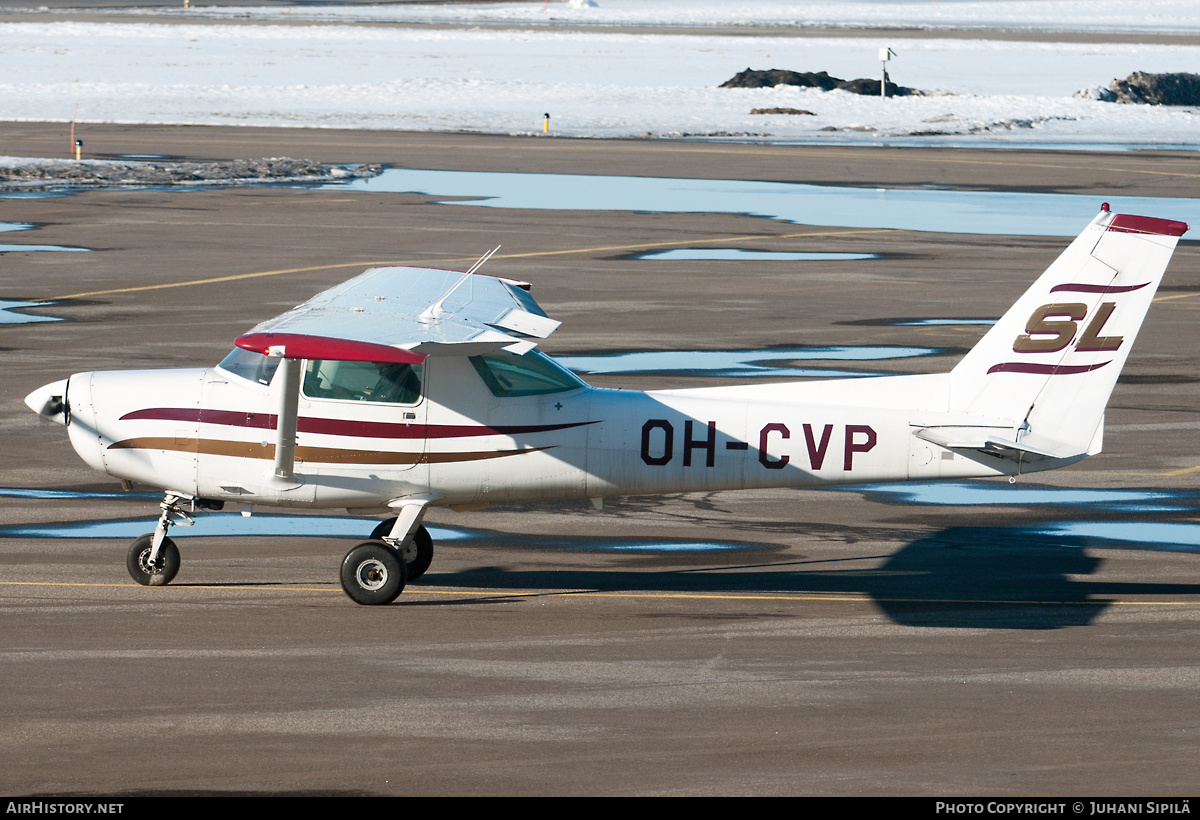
(837, 642)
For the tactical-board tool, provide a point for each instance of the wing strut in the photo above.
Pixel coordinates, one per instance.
(289, 409)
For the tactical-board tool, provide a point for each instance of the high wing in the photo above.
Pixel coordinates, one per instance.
(405, 314)
(394, 314)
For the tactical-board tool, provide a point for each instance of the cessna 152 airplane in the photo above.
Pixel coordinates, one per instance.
(405, 388)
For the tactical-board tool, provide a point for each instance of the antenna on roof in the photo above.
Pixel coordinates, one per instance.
(479, 264)
(435, 311)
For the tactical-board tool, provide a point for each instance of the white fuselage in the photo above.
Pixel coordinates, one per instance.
(210, 434)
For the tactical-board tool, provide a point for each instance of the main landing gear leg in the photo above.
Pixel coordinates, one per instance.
(375, 571)
(153, 559)
(417, 552)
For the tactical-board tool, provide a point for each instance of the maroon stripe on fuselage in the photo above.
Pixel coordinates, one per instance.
(1073, 287)
(226, 418)
(387, 429)
(343, 427)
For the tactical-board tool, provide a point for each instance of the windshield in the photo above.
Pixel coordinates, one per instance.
(247, 364)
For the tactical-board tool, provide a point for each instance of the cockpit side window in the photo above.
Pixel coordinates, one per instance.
(382, 382)
(533, 374)
(247, 364)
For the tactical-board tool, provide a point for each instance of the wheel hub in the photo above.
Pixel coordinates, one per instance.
(146, 566)
(371, 574)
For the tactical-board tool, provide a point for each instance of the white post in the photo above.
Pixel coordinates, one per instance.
(885, 54)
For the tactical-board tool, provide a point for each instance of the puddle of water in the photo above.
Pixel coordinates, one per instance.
(21, 492)
(1146, 535)
(924, 209)
(317, 526)
(7, 317)
(990, 494)
(222, 524)
(229, 524)
(690, 546)
(739, 363)
(31, 194)
(5, 227)
(10, 248)
(740, 255)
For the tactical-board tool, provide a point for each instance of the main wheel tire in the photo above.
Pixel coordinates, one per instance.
(383, 528)
(372, 574)
(137, 561)
(417, 556)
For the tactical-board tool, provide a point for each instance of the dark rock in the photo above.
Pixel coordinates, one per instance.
(870, 88)
(781, 111)
(755, 78)
(1154, 89)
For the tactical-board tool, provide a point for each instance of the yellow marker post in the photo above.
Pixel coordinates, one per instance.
(78, 149)
(546, 123)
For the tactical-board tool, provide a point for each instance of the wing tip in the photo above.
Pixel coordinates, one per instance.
(305, 346)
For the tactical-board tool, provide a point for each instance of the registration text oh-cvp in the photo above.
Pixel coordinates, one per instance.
(697, 444)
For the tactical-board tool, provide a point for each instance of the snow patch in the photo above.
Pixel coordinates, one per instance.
(596, 82)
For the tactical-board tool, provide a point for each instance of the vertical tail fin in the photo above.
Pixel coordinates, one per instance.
(1049, 365)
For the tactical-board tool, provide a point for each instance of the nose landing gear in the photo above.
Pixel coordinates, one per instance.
(156, 572)
(153, 559)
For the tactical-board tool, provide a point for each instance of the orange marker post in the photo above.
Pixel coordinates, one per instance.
(73, 118)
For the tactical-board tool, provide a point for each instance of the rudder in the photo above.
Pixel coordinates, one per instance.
(1047, 368)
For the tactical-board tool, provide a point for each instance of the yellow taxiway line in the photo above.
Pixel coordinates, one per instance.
(651, 596)
(1176, 296)
(451, 260)
(426, 262)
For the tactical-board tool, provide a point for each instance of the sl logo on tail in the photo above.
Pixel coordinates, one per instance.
(1056, 335)
(1053, 327)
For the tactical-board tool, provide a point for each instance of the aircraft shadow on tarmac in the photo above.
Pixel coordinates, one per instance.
(965, 577)
(974, 577)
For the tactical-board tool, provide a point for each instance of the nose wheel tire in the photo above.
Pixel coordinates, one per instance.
(373, 574)
(418, 555)
(164, 569)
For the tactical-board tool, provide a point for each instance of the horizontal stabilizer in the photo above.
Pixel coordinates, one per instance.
(998, 442)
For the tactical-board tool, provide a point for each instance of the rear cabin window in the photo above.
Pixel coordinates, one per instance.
(533, 374)
(382, 382)
(247, 364)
